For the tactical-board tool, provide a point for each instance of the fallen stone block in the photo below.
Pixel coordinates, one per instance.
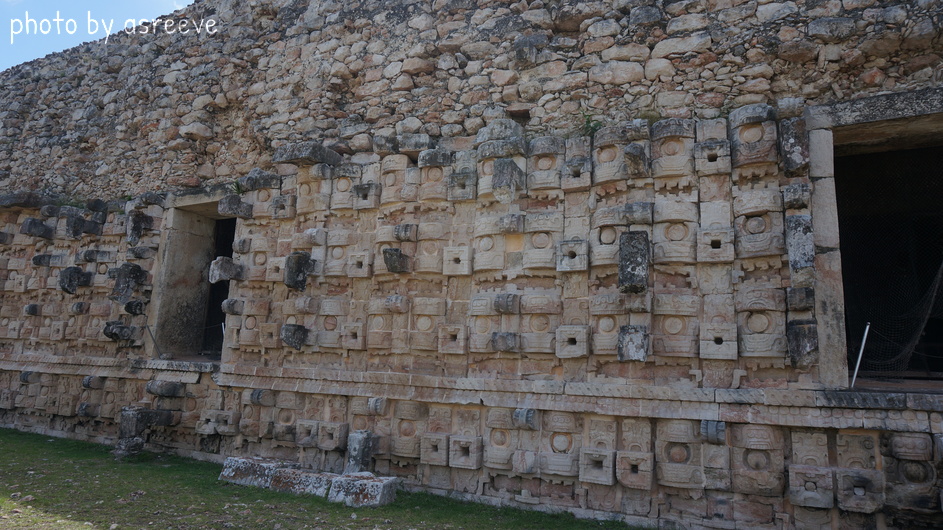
(363, 490)
(251, 471)
(300, 482)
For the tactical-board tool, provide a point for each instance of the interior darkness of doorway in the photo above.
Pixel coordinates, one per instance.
(224, 233)
(890, 214)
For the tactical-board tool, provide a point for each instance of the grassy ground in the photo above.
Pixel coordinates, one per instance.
(56, 483)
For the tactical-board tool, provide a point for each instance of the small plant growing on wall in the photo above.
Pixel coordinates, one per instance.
(590, 125)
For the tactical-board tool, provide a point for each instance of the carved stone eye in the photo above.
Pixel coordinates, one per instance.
(499, 437)
(671, 148)
(424, 323)
(434, 174)
(751, 133)
(544, 163)
(607, 235)
(673, 325)
(676, 232)
(756, 225)
(560, 442)
(608, 154)
(678, 453)
(541, 240)
(607, 324)
(756, 460)
(407, 429)
(342, 184)
(758, 322)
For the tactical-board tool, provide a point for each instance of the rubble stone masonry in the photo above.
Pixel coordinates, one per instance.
(572, 256)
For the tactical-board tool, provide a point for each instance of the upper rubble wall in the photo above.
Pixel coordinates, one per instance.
(155, 112)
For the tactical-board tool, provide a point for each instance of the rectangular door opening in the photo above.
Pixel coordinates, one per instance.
(890, 215)
(189, 322)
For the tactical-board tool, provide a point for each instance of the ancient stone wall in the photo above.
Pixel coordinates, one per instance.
(560, 256)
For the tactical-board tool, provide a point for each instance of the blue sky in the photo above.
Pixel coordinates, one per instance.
(29, 43)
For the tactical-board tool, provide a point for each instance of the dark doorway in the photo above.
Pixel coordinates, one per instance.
(890, 214)
(223, 235)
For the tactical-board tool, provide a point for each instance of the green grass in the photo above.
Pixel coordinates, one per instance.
(56, 483)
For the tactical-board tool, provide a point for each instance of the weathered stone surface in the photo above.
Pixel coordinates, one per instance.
(306, 154)
(634, 259)
(297, 481)
(232, 205)
(251, 471)
(224, 269)
(71, 278)
(363, 490)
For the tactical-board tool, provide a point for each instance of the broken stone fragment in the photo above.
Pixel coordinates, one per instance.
(298, 266)
(385, 144)
(800, 298)
(128, 277)
(413, 144)
(166, 388)
(233, 306)
(225, 269)
(93, 382)
(363, 490)
(434, 157)
(242, 245)
(634, 253)
(76, 226)
(44, 260)
(251, 471)
(263, 397)
(361, 446)
(93, 256)
(117, 330)
(395, 260)
(137, 223)
(30, 377)
(258, 179)
(525, 419)
(294, 335)
(512, 223)
(49, 210)
(797, 196)
(135, 307)
(508, 180)
(140, 253)
(406, 232)
(507, 303)
(302, 482)
(802, 338)
(306, 154)
(232, 205)
(396, 303)
(196, 131)
(799, 241)
(506, 342)
(32, 310)
(501, 129)
(97, 205)
(634, 343)
(36, 228)
(6, 238)
(79, 308)
(714, 432)
(71, 278)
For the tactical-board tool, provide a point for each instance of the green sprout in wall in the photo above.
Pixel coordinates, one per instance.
(590, 126)
(236, 187)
